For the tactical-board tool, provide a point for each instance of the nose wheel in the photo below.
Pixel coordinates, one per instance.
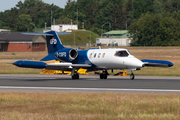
(132, 76)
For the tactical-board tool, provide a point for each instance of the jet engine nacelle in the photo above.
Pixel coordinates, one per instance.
(66, 54)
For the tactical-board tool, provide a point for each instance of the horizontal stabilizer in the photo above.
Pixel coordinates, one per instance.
(38, 34)
(46, 34)
(63, 33)
(157, 63)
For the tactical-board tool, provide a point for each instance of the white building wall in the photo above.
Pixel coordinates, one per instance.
(119, 41)
(4, 30)
(63, 27)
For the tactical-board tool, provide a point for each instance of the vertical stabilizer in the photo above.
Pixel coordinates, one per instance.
(53, 42)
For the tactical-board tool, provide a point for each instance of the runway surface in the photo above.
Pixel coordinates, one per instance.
(89, 83)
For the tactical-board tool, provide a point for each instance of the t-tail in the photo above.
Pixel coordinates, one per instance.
(53, 43)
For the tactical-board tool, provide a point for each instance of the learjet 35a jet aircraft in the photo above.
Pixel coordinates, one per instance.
(91, 59)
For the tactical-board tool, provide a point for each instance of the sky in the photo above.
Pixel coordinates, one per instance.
(8, 4)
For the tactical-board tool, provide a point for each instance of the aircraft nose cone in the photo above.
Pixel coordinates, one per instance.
(143, 65)
(139, 64)
(133, 63)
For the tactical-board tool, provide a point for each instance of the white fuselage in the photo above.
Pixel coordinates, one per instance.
(110, 59)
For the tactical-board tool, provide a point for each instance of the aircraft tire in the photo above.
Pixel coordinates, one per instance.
(104, 76)
(101, 76)
(75, 76)
(132, 76)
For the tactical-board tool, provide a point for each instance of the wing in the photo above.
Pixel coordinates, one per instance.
(50, 66)
(65, 66)
(157, 63)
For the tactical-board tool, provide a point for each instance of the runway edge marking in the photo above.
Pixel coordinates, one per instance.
(90, 89)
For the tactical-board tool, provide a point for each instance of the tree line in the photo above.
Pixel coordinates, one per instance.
(31, 11)
(150, 22)
(162, 29)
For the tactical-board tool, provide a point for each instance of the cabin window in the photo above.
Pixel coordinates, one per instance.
(90, 55)
(99, 55)
(94, 55)
(103, 55)
(121, 53)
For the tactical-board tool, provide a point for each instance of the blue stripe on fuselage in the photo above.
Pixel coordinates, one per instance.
(82, 58)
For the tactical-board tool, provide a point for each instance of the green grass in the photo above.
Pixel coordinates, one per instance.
(81, 38)
(23, 55)
(8, 68)
(89, 106)
(160, 53)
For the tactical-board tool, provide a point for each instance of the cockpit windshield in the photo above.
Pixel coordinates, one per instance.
(122, 53)
(130, 52)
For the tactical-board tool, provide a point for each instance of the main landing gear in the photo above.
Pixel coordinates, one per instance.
(74, 74)
(104, 75)
(132, 76)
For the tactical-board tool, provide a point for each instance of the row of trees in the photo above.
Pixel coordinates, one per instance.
(31, 11)
(118, 13)
(151, 22)
(161, 29)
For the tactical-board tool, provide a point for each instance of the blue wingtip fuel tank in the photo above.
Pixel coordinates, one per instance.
(30, 64)
(159, 63)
